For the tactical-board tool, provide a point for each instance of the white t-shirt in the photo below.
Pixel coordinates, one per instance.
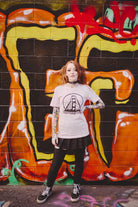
(70, 100)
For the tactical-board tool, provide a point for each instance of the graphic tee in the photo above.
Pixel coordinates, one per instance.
(71, 100)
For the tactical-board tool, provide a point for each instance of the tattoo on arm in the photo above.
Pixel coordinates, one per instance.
(55, 120)
(99, 104)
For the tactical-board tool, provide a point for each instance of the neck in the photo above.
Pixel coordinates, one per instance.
(72, 82)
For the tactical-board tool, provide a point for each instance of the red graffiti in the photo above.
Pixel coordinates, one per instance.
(82, 18)
(86, 21)
(120, 16)
(17, 135)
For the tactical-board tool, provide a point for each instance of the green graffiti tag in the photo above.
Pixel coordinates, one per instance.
(72, 167)
(12, 179)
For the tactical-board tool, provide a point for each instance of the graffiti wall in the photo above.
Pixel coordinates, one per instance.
(36, 40)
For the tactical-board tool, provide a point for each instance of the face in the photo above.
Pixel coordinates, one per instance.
(71, 72)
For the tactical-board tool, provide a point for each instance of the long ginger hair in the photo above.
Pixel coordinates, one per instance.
(80, 70)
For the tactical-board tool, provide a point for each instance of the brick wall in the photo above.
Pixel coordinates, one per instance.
(36, 39)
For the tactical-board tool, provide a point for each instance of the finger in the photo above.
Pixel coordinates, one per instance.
(53, 141)
(56, 141)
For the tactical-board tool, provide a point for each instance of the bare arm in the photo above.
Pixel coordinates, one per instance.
(55, 117)
(99, 105)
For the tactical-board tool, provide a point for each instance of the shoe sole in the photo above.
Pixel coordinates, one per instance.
(43, 201)
(75, 199)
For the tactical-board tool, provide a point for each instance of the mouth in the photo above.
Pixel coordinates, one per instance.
(72, 77)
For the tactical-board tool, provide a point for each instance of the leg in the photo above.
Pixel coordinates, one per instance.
(79, 164)
(58, 158)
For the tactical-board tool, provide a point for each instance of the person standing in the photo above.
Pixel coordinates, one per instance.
(68, 104)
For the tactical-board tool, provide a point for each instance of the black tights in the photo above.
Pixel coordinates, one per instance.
(58, 158)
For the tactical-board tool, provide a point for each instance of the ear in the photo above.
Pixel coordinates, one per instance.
(66, 79)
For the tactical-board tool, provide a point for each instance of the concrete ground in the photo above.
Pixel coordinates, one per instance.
(91, 195)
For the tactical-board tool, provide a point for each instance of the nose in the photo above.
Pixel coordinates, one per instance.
(73, 72)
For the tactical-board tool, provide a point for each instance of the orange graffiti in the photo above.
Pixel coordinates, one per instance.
(18, 141)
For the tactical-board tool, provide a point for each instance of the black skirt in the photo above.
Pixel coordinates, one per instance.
(72, 145)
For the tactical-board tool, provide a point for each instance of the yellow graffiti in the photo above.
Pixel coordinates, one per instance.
(103, 45)
(96, 86)
(19, 135)
(49, 33)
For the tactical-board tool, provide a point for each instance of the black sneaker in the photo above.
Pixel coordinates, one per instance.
(75, 193)
(44, 195)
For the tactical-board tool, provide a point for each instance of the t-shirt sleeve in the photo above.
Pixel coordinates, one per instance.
(92, 95)
(55, 99)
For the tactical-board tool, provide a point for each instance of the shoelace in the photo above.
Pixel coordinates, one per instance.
(75, 189)
(46, 191)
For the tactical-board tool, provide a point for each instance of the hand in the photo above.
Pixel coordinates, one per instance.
(55, 140)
